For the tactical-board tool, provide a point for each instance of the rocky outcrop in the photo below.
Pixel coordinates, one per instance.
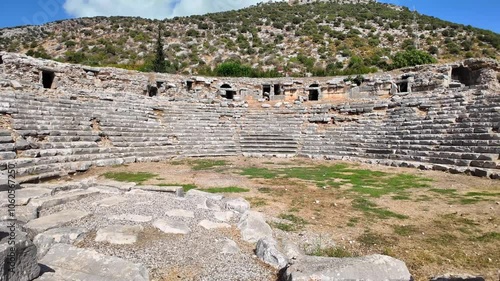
(376, 267)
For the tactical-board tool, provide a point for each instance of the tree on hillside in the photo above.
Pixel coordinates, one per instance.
(412, 58)
(159, 64)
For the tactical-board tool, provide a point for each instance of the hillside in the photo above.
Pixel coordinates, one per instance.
(275, 38)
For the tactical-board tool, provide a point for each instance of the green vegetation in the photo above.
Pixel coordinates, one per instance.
(265, 40)
(293, 223)
(159, 61)
(371, 209)
(332, 252)
(230, 189)
(206, 164)
(130, 177)
(411, 58)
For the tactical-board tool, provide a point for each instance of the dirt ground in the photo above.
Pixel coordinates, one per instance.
(449, 226)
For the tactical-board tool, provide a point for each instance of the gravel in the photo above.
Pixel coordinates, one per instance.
(195, 256)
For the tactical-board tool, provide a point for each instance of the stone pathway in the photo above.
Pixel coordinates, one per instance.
(106, 231)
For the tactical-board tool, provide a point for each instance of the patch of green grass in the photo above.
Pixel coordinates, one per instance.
(489, 237)
(367, 182)
(401, 197)
(206, 164)
(254, 172)
(293, 218)
(352, 222)
(264, 190)
(160, 179)
(256, 201)
(284, 226)
(423, 198)
(371, 209)
(470, 201)
(130, 177)
(484, 194)
(332, 252)
(370, 239)
(443, 239)
(295, 222)
(185, 187)
(229, 189)
(443, 191)
(405, 230)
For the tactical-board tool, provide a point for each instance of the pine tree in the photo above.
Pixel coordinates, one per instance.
(159, 64)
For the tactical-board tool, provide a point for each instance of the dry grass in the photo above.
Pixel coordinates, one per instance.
(435, 222)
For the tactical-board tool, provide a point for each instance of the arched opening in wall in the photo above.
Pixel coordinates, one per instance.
(228, 90)
(313, 92)
(1, 60)
(464, 75)
(402, 87)
(277, 89)
(48, 79)
(189, 85)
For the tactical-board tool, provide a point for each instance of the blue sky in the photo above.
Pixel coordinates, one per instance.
(478, 13)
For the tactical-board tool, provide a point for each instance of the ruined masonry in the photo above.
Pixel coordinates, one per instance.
(58, 119)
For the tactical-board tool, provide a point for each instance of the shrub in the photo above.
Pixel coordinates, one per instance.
(412, 58)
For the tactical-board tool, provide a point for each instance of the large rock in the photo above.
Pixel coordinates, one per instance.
(253, 227)
(19, 260)
(119, 234)
(124, 186)
(239, 205)
(171, 227)
(65, 235)
(375, 267)
(267, 251)
(70, 263)
(43, 224)
(224, 216)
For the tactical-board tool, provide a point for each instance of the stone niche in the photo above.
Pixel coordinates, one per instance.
(48, 78)
(465, 75)
(227, 91)
(314, 92)
(1, 60)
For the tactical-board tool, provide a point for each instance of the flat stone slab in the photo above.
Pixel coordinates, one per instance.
(66, 235)
(124, 186)
(171, 227)
(375, 267)
(131, 217)
(110, 201)
(213, 225)
(224, 216)
(177, 190)
(59, 199)
(23, 196)
(43, 224)
(71, 263)
(180, 213)
(198, 193)
(119, 234)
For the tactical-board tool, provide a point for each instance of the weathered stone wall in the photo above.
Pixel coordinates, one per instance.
(446, 125)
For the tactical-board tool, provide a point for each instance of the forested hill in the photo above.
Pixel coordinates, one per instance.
(270, 39)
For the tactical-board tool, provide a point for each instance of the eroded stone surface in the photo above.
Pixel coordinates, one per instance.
(375, 267)
(131, 217)
(213, 225)
(171, 226)
(71, 263)
(253, 227)
(65, 235)
(180, 213)
(119, 234)
(42, 224)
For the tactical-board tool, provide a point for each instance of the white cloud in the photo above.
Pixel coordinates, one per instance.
(157, 9)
